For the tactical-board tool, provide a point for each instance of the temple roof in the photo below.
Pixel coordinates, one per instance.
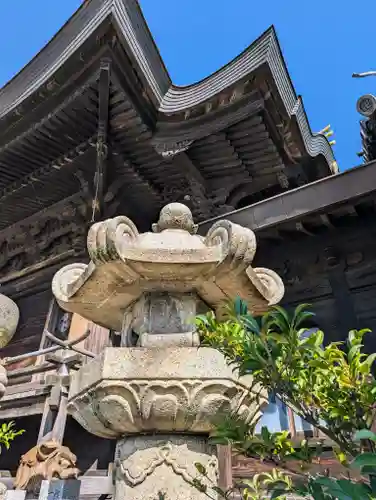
(241, 132)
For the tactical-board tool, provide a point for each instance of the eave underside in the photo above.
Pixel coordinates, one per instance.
(244, 132)
(55, 158)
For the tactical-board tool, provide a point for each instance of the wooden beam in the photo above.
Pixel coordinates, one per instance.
(102, 132)
(344, 305)
(187, 167)
(65, 161)
(293, 205)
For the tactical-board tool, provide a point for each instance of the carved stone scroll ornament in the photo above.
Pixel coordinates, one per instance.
(126, 264)
(46, 461)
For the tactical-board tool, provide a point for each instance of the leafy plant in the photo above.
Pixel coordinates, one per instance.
(331, 384)
(275, 448)
(254, 489)
(344, 489)
(331, 387)
(8, 433)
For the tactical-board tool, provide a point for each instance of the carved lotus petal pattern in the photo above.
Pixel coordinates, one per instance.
(164, 404)
(126, 407)
(170, 390)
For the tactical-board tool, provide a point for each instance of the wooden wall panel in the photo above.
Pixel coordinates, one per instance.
(98, 339)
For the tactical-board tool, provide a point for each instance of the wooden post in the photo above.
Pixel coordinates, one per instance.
(49, 320)
(225, 480)
(291, 419)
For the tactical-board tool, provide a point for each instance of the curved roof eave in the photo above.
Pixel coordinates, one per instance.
(84, 22)
(263, 51)
(171, 99)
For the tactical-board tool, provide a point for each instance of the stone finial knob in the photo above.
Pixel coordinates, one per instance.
(175, 216)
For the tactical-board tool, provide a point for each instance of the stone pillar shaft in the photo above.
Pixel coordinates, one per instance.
(147, 466)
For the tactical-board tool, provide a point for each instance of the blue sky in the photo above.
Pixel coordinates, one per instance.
(323, 44)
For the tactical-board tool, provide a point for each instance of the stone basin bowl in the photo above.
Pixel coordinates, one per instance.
(169, 390)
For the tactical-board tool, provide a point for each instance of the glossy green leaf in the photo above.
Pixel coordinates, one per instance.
(365, 459)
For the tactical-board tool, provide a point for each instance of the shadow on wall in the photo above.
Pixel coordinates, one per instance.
(92, 452)
(9, 459)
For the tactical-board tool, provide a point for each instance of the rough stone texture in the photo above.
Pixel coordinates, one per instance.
(147, 465)
(158, 316)
(9, 317)
(3, 491)
(133, 390)
(126, 264)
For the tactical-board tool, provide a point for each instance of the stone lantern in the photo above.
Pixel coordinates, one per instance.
(158, 393)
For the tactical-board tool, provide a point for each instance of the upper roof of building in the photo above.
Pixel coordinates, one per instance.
(240, 132)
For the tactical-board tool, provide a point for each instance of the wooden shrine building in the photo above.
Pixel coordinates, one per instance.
(93, 127)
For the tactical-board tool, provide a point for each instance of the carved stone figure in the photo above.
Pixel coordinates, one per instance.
(46, 461)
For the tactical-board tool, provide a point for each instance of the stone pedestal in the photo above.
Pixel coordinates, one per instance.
(170, 390)
(149, 465)
(165, 401)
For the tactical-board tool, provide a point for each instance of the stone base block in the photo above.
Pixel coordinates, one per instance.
(147, 466)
